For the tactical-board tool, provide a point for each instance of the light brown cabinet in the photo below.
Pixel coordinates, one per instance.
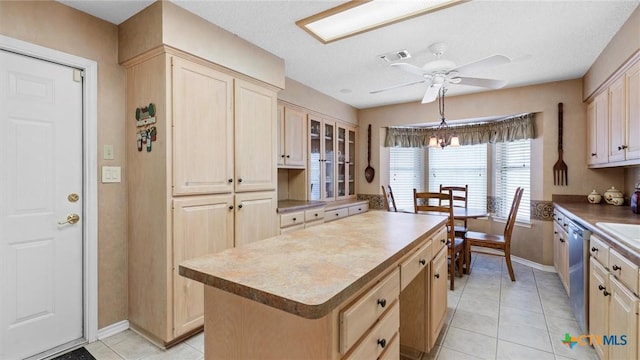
(292, 137)
(424, 299)
(346, 163)
(597, 129)
(613, 304)
(210, 171)
(332, 148)
(617, 106)
(561, 247)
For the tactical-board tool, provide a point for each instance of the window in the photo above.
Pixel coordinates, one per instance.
(513, 169)
(460, 166)
(406, 172)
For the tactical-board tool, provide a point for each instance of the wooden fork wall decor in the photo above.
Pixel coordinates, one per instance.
(560, 176)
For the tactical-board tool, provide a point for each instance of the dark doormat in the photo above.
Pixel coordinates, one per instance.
(77, 354)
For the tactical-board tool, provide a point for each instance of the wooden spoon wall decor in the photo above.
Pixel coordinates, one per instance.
(369, 172)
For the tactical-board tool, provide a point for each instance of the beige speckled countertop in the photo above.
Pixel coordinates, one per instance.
(312, 271)
(589, 214)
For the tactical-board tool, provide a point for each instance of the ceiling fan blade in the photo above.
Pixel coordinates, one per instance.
(487, 83)
(410, 68)
(431, 93)
(396, 86)
(475, 66)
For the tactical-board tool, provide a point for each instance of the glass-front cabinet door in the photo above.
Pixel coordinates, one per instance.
(322, 144)
(329, 136)
(314, 159)
(351, 163)
(342, 162)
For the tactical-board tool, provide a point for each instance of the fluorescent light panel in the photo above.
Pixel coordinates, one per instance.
(356, 17)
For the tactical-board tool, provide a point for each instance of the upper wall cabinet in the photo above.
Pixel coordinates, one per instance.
(292, 137)
(597, 129)
(203, 129)
(613, 119)
(255, 137)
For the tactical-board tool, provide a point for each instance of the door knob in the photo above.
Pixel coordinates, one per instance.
(71, 219)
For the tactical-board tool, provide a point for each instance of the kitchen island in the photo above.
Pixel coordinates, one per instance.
(327, 292)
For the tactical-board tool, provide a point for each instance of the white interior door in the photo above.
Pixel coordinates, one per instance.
(41, 256)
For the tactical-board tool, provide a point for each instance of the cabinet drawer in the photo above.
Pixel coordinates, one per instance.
(314, 214)
(410, 268)
(361, 315)
(392, 351)
(357, 209)
(382, 334)
(292, 228)
(291, 219)
(599, 250)
(336, 214)
(439, 240)
(624, 270)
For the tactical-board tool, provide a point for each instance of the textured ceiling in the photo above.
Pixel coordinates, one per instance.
(547, 40)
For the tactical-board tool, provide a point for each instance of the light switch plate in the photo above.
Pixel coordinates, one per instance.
(110, 174)
(107, 152)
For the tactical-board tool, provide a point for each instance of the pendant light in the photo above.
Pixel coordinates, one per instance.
(440, 137)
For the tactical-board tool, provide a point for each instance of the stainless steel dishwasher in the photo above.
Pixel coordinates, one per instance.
(579, 273)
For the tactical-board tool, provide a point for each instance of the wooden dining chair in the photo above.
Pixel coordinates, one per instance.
(460, 199)
(455, 245)
(498, 242)
(389, 201)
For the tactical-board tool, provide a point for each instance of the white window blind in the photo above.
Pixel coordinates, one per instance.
(460, 166)
(513, 170)
(406, 172)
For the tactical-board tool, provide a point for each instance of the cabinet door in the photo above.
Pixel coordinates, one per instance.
(438, 294)
(598, 305)
(281, 150)
(633, 112)
(295, 135)
(351, 163)
(617, 121)
(623, 320)
(561, 254)
(597, 129)
(255, 137)
(202, 129)
(328, 160)
(341, 163)
(201, 225)
(315, 151)
(255, 216)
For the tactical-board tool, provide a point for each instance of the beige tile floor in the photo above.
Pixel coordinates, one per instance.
(489, 317)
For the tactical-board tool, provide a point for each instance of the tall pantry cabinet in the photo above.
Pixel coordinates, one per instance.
(206, 184)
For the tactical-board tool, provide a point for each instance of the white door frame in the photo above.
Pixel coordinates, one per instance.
(89, 164)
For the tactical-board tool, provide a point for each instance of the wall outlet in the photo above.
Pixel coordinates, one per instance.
(107, 152)
(110, 174)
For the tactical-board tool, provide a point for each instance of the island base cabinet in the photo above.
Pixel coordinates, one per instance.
(424, 305)
(239, 328)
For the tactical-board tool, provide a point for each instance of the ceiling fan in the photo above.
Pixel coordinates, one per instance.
(440, 72)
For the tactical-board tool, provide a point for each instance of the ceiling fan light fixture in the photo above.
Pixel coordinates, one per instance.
(357, 16)
(441, 136)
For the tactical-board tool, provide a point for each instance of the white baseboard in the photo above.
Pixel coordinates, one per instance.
(517, 259)
(113, 329)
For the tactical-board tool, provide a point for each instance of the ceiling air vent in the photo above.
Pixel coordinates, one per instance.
(395, 56)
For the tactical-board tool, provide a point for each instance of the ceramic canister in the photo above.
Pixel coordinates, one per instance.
(594, 197)
(614, 196)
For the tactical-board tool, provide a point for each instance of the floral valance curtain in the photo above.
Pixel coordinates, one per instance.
(512, 128)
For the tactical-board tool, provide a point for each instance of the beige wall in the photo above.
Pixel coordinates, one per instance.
(624, 44)
(166, 23)
(535, 243)
(59, 27)
(308, 98)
